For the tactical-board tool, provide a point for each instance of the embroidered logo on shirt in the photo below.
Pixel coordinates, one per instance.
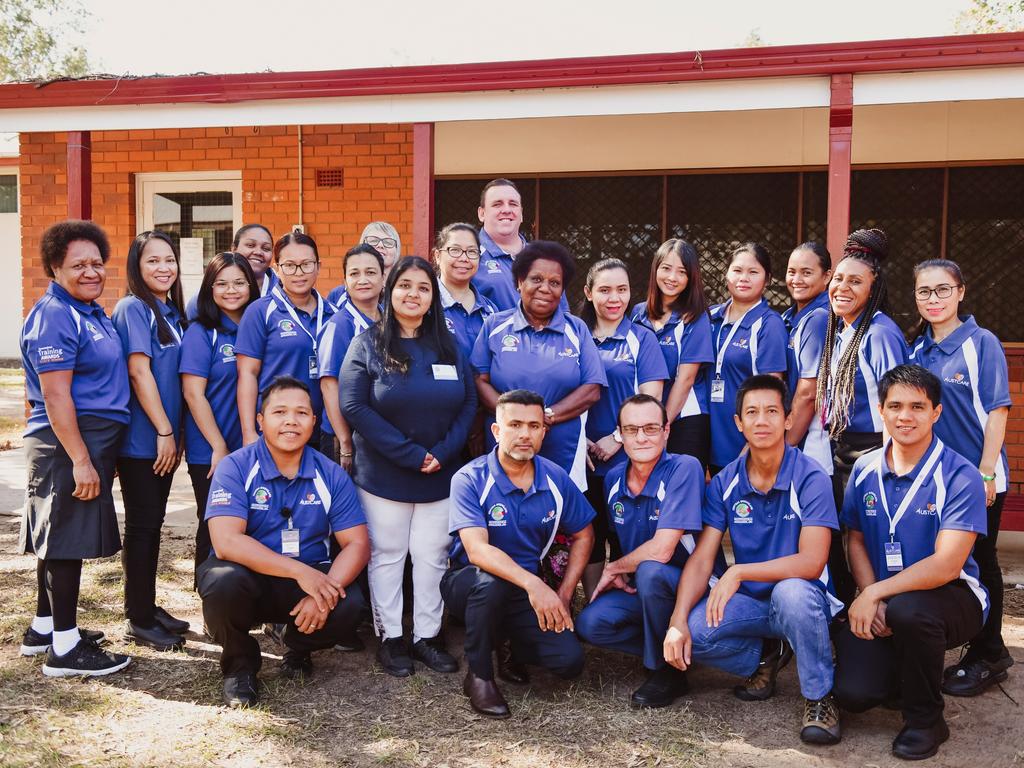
(261, 498)
(870, 502)
(450, 324)
(497, 515)
(227, 352)
(569, 352)
(96, 334)
(310, 499)
(958, 378)
(51, 354)
(509, 343)
(493, 268)
(548, 517)
(287, 327)
(618, 513)
(741, 511)
(219, 498)
(928, 509)
(624, 356)
(668, 341)
(655, 516)
(741, 343)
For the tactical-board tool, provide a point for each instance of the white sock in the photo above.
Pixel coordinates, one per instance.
(64, 640)
(43, 624)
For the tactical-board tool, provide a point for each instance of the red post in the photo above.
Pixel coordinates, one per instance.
(422, 188)
(79, 175)
(840, 141)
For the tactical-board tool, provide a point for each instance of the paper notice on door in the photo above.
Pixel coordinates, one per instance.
(191, 255)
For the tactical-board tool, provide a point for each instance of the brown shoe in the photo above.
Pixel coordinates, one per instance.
(760, 686)
(510, 669)
(484, 696)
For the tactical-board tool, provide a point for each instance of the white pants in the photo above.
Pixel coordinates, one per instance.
(398, 529)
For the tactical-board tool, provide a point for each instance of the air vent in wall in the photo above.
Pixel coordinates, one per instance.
(330, 177)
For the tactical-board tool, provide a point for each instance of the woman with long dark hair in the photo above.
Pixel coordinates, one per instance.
(971, 366)
(150, 321)
(255, 244)
(408, 394)
(209, 378)
(676, 311)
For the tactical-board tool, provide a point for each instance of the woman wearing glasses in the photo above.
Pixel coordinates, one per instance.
(280, 333)
(971, 364)
(457, 257)
(383, 238)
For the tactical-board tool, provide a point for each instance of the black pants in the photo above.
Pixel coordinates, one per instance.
(909, 663)
(145, 504)
(988, 644)
(494, 608)
(845, 452)
(605, 537)
(201, 488)
(236, 598)
(691, 436)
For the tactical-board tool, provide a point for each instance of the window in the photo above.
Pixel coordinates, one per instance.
(9, 193)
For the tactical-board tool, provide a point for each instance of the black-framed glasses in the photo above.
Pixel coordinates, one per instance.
(473, 254)
(387, 242)
(305, 267)
(943, 291)
(631, 430)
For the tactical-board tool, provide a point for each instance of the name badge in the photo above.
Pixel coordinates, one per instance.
(445, 372)
(290, 542)
(314, 367)
(718, 390)
(893, 556)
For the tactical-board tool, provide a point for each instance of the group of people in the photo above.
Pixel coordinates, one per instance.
(454, 413)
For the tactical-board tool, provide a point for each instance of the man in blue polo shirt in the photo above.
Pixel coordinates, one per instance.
(506, 508)
(272, 509)
(914, 509)
(776, 503)
(653, 506)
(501, 215)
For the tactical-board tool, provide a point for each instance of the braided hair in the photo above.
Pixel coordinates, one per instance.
(835, 391)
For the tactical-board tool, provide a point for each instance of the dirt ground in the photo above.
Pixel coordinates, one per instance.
(165, 709)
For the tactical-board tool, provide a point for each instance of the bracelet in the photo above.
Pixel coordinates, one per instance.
(346, 455)
(987, 478)
(169, 434)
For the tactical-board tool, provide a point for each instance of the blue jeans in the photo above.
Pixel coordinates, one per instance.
(798, 611)
(634, 624)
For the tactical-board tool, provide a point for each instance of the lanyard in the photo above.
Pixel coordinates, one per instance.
(911, 493)
(720, 359)
(291, 311)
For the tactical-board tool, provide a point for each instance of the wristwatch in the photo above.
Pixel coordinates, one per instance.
(549, 412)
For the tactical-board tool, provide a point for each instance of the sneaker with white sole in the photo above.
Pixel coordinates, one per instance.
(86, 659)
(34, 643)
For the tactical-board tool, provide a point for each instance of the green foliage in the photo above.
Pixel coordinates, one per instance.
(991, 16)
(31, 33)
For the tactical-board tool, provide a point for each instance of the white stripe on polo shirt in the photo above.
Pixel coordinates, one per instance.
(872, 466)
(634, 349)
(691, 407)
(76, 317)
(614, 490)
(835, 604)
(500, 327)
(321, 488)
(252, 475)
(578, 470)
(729, 489)
(559, 502)
(755, 327)
(970, 353)
(487, 489)
(871, 386)
(270, 310)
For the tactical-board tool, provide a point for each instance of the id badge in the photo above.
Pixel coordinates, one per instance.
(893, 556)
(290, 542)
(314, 367)
(445, 372)
(718, 390)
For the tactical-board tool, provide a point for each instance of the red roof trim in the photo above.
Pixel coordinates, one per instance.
(778, 61)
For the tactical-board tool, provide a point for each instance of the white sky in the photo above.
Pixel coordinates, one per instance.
(184, 36)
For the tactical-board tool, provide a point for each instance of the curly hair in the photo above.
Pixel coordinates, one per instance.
(56, 239)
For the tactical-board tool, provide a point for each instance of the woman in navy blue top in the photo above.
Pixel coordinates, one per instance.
(676, 311)
(209, 378)
(633, 364)
(77, 389)
(408, 394)
(970, 363)
(150, 322)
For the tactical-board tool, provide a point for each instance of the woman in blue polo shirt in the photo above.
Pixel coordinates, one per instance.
(385, 240)
(364, 280)
(633, 364)
(541, 347)
(408, 394)
(457, 258)
(279, 333)
(209, 378)
(256, 245)
(150, 322)
(807, 277)
(77, 388)
(676, 311)
(970, 363)
(749, 338)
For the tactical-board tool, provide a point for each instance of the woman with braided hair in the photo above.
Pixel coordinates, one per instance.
(861, 343)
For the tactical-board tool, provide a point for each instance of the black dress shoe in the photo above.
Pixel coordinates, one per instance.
(168, 622)
(920, 743)
(484, 696)
(431, 652)
(351, 643)
(510, 669)
(155, 637)
(394, 657)
(662, 687)
(296, 666)
(241, 690)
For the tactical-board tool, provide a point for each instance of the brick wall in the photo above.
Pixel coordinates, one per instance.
(1015, 426)
(376, 160)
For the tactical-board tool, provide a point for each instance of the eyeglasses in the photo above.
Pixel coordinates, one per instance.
(387, 242)
(223, 285)
(456, 252)
(631, 430)
(306, 267)
(943, 291)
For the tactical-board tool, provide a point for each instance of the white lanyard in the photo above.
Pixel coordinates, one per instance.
(291, 311)
(720, 360)
(911, 493)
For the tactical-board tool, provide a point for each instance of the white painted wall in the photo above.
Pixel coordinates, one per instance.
(10, 282)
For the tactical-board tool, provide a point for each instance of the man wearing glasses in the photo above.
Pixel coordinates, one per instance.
(654, 506)
(272, 509)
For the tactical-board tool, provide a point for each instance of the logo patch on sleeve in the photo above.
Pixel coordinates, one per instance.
(219, 498)
(51, 354)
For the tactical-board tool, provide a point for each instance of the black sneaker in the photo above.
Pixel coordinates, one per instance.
(431, 652)
(971, 677)
(760, 686)
(241, 690)
(394, 657)
(168, 622)
(296, 666)
(352, 643)
(821, 721)
(86, 659)
(662, 687)
(34, 643)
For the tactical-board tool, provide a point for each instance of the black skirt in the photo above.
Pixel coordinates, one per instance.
(55, 525)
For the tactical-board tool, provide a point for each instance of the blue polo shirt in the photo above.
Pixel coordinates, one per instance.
(971, 365)
(346, 323)
(945, 493)
(683, 343)
(630, 357)
(493, 279)
(756, 344)
(671, 499)
(522, 525)
(210, 353)
(338, 295)
(62, 333)
(553, 362)
(766, 526)
(285, 339)
(465, 326)
(270, 281)
(136, 324)
(807, 329)
(322, 499)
